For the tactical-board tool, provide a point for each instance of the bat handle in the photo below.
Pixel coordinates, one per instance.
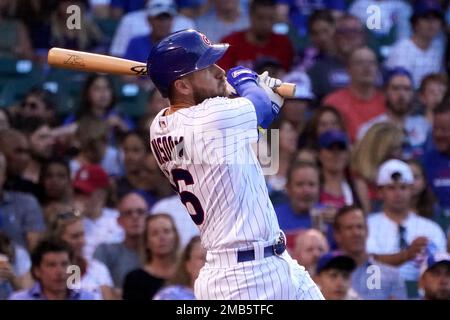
(286, 90)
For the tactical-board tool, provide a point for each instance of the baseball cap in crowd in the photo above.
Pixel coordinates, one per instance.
(397, 71)
(434, 260)
(424, 8)
(333, 137)
(89, 178)
(335, 260)
(394, 170)
(157, 7)
(303, 88)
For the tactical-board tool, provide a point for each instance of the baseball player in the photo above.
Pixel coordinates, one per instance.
(203, 145)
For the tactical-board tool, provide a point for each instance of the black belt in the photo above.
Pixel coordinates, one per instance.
(249, 255)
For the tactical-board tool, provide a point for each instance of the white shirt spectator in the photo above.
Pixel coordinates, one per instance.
(135, 24)
(384, 238)
(22, 261)
(417, 61)
(185, 226)
(104, 229)
(96, 276)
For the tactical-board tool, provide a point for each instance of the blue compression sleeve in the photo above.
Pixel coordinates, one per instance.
(262, 103)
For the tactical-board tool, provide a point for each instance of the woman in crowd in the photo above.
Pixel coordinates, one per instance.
(68, 226)
(55, 185)
(324, 118)
(98, 100)
(181, 285)
(381, 142)
(162, 245)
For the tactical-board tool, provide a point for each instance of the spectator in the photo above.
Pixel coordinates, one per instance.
(123, 257)
(173, 206)
(399, 92)
(435, 277)
(36, 17)
(193, 9)
(297, 13)
(14, 40)
(84, 39)
(14, 267)
(121, 7)
(423, 200)
(333, 276)
(436, 160)
(302, 188)
(181, 286)
(306, 155)
(49, 262)
(394, 24)
(5, 119)
(94, 278)
(308, 247)
(17, 155)
(56, 186)
(91, 186)
(287, 146)
(161, 244)
(295, 108)
(383, 141)
(258, 40)
(361, 101)
(323, 119)
(92, 139)
(322, 28)
(160, 17)
(135, 154)
(41, 142)
(329, 73)
(224, 19)
(350, 232)
(38, 103)
(397, 231)
(135, 24)
(98, 100)
(334, 156)
(420, 54)
(20, 214)
(432, 91)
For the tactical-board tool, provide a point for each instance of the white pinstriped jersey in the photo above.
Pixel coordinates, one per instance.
(219, 178)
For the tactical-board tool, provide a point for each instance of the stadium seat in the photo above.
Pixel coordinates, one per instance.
(132, 100)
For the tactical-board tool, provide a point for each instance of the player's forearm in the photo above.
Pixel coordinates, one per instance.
(262, 103)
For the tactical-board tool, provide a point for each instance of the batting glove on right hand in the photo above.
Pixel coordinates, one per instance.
(268, 84)
(239, 75)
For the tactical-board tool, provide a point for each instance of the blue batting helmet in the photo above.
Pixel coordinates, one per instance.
(179, 54)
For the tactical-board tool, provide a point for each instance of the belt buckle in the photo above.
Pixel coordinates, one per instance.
(279, 247)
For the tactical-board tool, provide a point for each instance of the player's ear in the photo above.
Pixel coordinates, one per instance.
(182, 86)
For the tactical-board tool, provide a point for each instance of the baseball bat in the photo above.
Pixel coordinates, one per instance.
(93, 62)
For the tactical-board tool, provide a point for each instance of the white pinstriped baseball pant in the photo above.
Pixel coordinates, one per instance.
(271, 278)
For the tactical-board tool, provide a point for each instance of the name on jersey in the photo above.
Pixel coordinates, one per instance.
(167, 148)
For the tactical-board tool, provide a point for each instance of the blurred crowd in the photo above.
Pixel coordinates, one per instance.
(362, 190)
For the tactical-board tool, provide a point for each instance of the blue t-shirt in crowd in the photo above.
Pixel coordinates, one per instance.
(300, 10)
(437, 168)
(128, 5)
(139, 48)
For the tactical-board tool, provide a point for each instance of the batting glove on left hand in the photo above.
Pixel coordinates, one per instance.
(238, 75)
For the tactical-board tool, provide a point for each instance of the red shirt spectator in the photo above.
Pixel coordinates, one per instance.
(258, 40)
(243, 52)
(355, 110)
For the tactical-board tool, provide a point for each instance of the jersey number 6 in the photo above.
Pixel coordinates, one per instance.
(188, 197)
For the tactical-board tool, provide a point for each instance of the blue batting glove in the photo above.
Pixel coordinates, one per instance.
(239, 75)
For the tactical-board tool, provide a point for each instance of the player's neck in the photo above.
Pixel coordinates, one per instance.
(178, 105)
